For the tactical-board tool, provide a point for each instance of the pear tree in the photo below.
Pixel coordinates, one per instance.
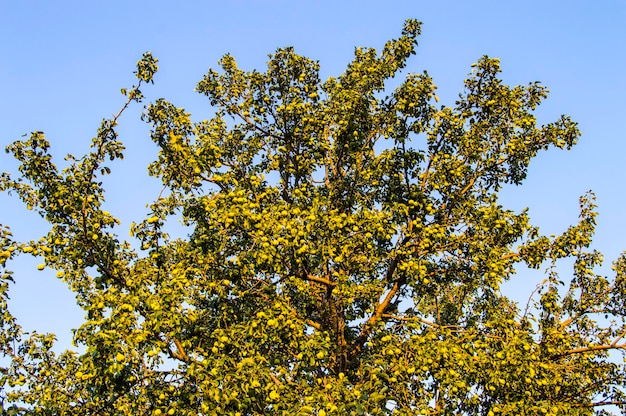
(346, 254)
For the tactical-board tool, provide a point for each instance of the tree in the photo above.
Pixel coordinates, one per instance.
(346, 256)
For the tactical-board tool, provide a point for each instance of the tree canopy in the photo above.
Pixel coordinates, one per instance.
(346, 256)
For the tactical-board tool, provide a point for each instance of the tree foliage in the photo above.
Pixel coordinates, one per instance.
(346, 255)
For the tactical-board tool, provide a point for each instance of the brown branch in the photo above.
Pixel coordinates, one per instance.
(274, 379)
(581, 350)
(616, 340)
(469, 185)
(313, 324)
(602, 403)
(371, 322)
(180, 354)
(320, 280)
(358, 343)
(510, 256)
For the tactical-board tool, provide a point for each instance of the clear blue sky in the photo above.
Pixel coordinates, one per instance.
(62, 64)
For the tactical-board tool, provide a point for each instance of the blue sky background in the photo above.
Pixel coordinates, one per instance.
(63, 63)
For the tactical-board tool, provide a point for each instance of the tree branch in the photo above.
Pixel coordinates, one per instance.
(582, 350)
(320, 280)
(602, 403)
(358, 343)
(180, 353)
